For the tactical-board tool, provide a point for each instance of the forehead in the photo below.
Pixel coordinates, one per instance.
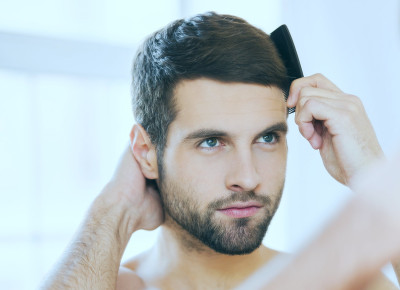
(209, 103)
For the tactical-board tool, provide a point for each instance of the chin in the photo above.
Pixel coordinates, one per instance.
(239, 238)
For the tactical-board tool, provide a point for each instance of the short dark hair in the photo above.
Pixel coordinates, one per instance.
(220, 47)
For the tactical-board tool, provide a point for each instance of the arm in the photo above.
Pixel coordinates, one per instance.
(92, 259)
(125, 205)
(346, 255)
(350, 251)
(337, 125)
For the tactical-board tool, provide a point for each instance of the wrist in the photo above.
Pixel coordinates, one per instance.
(376, 239)
(113, 210)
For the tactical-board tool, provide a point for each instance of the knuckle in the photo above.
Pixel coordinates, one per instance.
(354, 103)
(306, 94)
(352, 108)
(303, 101)
(354, 99)
(310, 102)
(348, 116)
(305, 91)
(303, 111)
(319, 76)
(295, 84)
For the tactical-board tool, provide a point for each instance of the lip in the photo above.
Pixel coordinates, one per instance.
(241, 209)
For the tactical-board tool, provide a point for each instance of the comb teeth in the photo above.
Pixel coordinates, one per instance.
(286, 94)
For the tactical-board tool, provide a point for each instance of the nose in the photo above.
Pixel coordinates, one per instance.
(242, 173)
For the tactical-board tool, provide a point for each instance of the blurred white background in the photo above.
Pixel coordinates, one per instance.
(65, 111)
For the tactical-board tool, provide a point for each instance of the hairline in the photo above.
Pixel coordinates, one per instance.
(172, 99)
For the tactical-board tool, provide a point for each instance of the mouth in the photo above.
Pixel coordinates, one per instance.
(241, 209)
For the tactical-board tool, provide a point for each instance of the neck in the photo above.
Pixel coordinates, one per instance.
(185, 257)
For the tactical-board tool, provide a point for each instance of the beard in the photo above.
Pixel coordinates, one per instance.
(232, 236)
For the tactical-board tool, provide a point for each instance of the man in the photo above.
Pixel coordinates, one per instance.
(208, 159)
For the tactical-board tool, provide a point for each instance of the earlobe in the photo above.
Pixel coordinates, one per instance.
(144, 152)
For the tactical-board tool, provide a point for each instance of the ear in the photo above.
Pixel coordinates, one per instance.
(144, 152)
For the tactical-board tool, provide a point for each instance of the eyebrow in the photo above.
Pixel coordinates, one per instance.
(209, 133)
(278, 127)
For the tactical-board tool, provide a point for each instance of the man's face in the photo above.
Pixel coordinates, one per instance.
(224, 162)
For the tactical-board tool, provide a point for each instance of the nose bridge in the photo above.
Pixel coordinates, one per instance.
(242, 174)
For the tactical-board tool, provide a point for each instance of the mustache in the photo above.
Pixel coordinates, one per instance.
(242, 196)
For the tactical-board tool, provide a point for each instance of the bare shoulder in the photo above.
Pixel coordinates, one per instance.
(128, 277)
(128, 280)
(381, 282)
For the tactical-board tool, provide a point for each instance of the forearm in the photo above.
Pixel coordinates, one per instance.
(346, 255)
(358, 242)
(93, 257)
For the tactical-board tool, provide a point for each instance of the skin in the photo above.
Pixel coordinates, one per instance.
(367, 240)
(336, 124)
(240, 161)
(344, 137)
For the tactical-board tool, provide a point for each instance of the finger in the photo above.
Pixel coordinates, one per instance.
(310, 92)
(318, 92)
(315, 81)
(311, 134)
(324, 109)
(339, 107)
(316, 141)
(336, 114)
(306, 118)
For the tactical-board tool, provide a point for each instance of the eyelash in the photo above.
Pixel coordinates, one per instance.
(211, 147)
(275, 135)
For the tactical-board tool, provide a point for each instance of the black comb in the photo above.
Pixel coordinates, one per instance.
(284, 44)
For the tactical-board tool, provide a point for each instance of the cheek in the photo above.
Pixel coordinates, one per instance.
(202, 175)
(273, 164)
(272, 169)
(205, 175)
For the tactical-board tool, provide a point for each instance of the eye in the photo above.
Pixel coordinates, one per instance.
(269, 138)
(210, 143)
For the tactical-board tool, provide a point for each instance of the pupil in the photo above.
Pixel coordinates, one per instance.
(268, 138)
(211, 142)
